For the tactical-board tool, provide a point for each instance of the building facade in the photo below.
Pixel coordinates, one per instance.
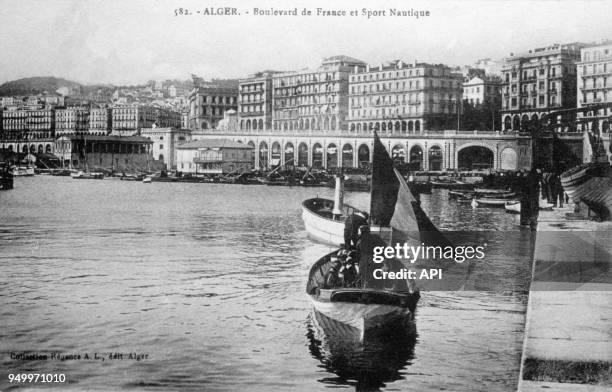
(214, 156)
(208, 103)
(538, 82)
(28, 130)
(255, 101)
(401, 98)
(113, 153)
(127, 120)
(72, 121)
(99, 121)
(315, 99)
(595, 86)
(165, 141)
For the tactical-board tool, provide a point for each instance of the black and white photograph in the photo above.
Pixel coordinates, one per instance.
(267, 195)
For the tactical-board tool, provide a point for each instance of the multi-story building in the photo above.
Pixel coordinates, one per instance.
(165, 141)
(402, 98)
(168, 118)
(255, 101)
(481, 103)
(538, 82)
(28, 130)
(208, 103)
(314, 99)
(128, 120)
(595, 86)
(478, 90)
(72, 121)
(99, 121)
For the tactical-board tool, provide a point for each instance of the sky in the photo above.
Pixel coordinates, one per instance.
(130, 42)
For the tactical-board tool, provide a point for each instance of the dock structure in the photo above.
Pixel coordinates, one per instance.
(568, 333)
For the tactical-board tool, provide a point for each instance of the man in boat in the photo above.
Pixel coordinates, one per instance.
(351, 228)
(349, 272)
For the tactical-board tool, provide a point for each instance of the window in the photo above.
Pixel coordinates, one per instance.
(161, 146)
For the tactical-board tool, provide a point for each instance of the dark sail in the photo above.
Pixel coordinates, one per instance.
(385, 186)
(394, 205)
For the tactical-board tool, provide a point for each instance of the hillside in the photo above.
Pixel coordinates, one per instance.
(35, 85)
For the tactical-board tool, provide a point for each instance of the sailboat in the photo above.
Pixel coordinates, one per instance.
(369, 305)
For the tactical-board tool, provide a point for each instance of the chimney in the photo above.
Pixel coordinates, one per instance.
(400, 64)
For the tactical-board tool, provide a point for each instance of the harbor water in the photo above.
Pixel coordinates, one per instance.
(206, 283)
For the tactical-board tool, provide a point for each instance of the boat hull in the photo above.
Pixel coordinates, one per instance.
(592, 185)
(322, 228)
(493, 202)
(361, 320)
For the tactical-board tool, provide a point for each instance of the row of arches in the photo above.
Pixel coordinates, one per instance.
(332, 156)
(316, 123)
(387, 126)
(32, 148)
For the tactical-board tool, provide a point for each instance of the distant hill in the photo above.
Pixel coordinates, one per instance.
(35, 85)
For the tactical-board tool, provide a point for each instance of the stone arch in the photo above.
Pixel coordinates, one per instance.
(435, 158)
(276, 154)
(475, 156)
(263, 155)
(161, 157)
(347, 155)
(508, 159)
(398, 153)
(48, 149)
(302, 154)
(248, 125)
(507, 123)
(254, 125)
(326, 123)
(516, 122)
(410, 126)
(40, 149)
(332, 156)
(363, 155)
(289, 154)
(524, 122)
(317, 156)
(261, 124)
(404, 126)
(416, 157)
(417, 126)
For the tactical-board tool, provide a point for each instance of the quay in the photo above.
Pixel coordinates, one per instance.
(568, 334)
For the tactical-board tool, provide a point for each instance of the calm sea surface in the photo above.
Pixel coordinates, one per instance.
(208, 280)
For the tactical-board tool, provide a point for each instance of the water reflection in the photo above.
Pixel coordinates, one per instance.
(367, 365)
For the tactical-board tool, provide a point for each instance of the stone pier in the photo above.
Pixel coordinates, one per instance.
(568, 333)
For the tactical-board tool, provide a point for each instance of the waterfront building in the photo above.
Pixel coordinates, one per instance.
(128, 120)
(99, 121)
(113, 153)
(538, 82)
(72, 121)
(165, 141)
(214, 156)
(28, 130)
(595, 86)
(255, 101)
(480, 90)
(208, 103)
(401, 98)
(482, 103)
(314, 99)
